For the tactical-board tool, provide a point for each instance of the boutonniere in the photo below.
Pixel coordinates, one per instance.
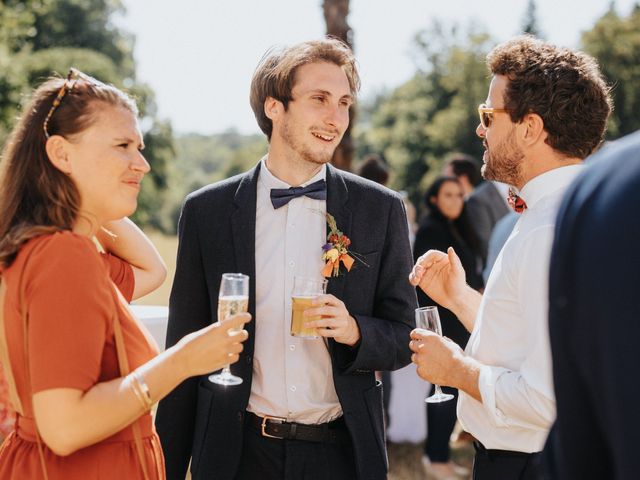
(336, 250)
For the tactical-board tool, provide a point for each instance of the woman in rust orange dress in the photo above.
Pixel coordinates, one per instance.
(86, 372)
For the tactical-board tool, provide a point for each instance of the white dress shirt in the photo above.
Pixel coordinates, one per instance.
(510, 336)
(292, 377)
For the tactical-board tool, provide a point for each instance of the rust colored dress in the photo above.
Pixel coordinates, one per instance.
(71, 299)
(6, 412)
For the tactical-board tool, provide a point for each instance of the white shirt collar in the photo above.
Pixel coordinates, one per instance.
(548, 183)
(269, 180)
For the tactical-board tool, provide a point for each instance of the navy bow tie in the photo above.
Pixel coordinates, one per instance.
(282, 196)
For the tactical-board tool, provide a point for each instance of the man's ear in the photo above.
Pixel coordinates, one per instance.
(57, 151)
(272, 108)
(532, 130)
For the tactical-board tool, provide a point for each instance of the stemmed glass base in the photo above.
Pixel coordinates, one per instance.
(225, 378)
(438, 396)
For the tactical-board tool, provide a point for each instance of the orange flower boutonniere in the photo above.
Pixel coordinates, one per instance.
(336, 250)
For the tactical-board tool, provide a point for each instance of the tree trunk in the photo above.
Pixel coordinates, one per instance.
(335, 16)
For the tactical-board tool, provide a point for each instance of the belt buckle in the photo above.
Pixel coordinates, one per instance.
(264, 425)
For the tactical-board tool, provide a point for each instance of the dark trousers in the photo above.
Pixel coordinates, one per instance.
(441, 419)
(505, 465)
(271, 458)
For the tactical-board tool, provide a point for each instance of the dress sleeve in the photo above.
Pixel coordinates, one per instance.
(70, 308)
(121, 273)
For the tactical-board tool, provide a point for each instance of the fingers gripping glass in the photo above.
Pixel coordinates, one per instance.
(233, 298)
(428, 318)
(72, 78)
(486, 115)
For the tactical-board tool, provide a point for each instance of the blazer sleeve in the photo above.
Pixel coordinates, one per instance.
(189, 311)
(384, 342)
(479, 216)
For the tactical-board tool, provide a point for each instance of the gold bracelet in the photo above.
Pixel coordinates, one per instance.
(144, 388)
(136, 390)
(141, 389)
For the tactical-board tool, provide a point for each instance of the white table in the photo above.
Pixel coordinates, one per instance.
(155, 318)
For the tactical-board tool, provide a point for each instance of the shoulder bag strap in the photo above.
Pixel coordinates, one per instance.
(14, 398)
(123, 363)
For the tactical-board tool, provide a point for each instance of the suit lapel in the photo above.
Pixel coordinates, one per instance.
(337, 196)
(243, 226)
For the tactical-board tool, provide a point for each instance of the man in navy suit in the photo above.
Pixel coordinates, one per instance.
(307, 408)
(594, 319)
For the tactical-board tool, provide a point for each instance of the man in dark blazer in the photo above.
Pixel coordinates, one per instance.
(594, 320)
(274, 425)
(485, 206)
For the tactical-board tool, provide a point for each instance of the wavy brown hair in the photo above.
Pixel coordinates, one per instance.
(563, 86)
(35, 197)
(275, 75)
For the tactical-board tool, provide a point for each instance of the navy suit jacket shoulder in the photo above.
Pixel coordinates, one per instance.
(594, 315)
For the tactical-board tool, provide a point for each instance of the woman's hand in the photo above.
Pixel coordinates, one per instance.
(215, 346)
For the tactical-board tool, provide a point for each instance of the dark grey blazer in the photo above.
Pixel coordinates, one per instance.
(485, 207)
(204, 421)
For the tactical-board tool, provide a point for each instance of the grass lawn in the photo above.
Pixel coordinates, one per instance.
(167, 245)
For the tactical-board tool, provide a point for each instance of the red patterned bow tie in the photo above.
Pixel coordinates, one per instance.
(516, 202)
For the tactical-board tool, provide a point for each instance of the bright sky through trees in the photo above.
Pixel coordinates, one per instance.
(199, 55)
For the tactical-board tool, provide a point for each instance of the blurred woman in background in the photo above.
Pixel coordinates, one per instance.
(445, 225)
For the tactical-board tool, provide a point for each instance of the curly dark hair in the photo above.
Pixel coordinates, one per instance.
(275, 75)
(564, 87)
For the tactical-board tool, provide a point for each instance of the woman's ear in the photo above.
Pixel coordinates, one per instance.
(56, 148)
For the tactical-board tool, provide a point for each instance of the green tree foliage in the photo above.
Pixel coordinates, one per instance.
(435, 112)
(40, 37)
(204, 159)
(615, 42)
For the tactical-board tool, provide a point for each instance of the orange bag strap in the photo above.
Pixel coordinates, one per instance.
(123, 364)
(14, 398)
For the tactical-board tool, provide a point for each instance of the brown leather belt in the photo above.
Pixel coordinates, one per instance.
(275, 427)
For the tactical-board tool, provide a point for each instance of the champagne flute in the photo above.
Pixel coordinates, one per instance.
(428, 318)
(233, 298)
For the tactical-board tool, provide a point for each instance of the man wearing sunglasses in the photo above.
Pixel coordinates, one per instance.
(546, 111)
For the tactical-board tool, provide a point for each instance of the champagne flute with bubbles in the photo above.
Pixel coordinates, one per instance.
(233, 298)
(428, 318)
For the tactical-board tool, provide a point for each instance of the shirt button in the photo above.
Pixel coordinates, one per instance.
(292, 347)
(293, 388)
(292, 263)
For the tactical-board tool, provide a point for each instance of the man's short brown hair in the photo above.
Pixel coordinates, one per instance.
(563, 86)
(275, 75)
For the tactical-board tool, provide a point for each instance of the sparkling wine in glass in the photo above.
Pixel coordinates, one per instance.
(233, 298)
(428, 318)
